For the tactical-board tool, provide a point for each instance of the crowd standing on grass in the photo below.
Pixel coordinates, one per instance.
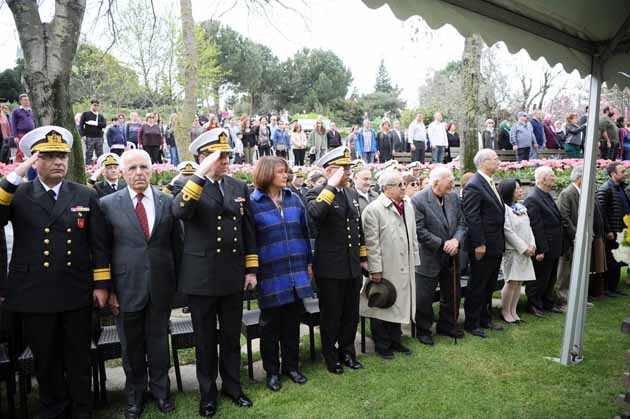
(364, 242)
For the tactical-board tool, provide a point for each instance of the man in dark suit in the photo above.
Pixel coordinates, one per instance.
(219, 261)
(146, 242)
(615, 204)
(108, 167)
(441, 229)
(546, 222)
(568, 204)
(340, 253)
(59, 268)
(485, 216)
(400, 140)
(362, 182)
(333, 138)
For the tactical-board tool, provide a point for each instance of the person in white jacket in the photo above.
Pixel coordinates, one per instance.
(437, 137)
(520, 246)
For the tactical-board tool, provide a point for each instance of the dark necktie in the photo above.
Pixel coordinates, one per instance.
(53, 196)
(217, 186)
(142, 216)
(113, 186)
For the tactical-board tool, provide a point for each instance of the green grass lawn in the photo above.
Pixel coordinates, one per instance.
(505, 376)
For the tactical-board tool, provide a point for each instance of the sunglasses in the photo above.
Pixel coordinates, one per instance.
(414, 184)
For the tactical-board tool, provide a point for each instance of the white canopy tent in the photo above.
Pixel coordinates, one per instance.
(590, 36)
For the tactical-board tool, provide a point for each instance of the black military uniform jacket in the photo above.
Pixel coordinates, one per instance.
(340, 245)
(59, 249)
(219, 237)
(104, 188)
(175, 187)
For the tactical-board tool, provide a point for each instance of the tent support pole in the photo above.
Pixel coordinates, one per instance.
(572, 343)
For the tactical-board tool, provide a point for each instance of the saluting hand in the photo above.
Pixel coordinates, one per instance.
(22, 169)
(335, 179)
(206, 167)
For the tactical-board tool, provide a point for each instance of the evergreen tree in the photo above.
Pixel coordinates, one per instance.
(383, 82)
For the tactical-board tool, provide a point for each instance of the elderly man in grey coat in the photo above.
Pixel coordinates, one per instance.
(441, 228)
(146, 243)
(392, 251)
(568, 204)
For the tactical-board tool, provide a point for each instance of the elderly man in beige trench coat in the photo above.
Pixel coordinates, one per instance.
(389, 228)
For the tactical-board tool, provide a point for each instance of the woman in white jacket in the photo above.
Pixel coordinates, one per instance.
(520, 246)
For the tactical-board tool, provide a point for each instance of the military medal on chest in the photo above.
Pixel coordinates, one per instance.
(241, 201)
(80, 218)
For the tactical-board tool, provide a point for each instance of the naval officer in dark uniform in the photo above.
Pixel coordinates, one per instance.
(340, 253)
(185, 170)
(219, 261)
(108, 167)
(59, 268)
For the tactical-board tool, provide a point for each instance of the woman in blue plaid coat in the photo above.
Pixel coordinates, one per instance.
(284, 272)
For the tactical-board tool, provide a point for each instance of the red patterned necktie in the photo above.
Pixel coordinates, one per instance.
(142, 216)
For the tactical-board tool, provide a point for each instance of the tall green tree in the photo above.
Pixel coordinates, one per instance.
(11, 82)
(383, 82)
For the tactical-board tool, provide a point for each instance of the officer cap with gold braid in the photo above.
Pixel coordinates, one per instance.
(108, 159)
(46, 139)
(298, 173)
(413, 165)
(339, 156)
(357, 164)
(217, 139)
(187, 167)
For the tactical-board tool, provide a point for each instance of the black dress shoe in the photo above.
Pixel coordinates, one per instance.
(241, 401)
(621, 293)
(133, 411)
(335, 369)
(351, 362)
(477, 332)
(610, 294)
(386, 354)
(297, 377)
(273, 382)
(425, 340)
(507, 321)
(492, 326)
(556, 309)
(208, 410)
(399, 347)
(457, 333)
(165, 405)
(536, 312)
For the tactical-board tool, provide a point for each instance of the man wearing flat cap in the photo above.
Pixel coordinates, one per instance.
(59, 268)
(389, 226)
(340, 254)
(108, 167)
(219, 261)
(186, 169)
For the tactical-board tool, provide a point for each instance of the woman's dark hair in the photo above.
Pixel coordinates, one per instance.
(506, 190)
(620, 122)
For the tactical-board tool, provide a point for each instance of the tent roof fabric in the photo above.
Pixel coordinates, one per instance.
(566, 32)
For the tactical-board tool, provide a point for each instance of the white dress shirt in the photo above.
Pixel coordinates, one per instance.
(416, 132)
(437, 134)
(147, 201)
(15, 180)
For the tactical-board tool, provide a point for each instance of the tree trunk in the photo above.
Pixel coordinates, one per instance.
(49, 49)
(191, 59)
(470, 87)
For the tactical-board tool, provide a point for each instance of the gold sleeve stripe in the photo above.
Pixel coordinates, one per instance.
(167, 190)
(193, 190)
(102, 274)
(251, 261)
(5, 197)
(326, 196)
(363, 251)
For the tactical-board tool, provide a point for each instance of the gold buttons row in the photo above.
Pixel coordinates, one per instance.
(219, 250)
(47, 230)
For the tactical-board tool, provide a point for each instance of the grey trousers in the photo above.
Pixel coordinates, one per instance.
(92, 145)
(564, 279)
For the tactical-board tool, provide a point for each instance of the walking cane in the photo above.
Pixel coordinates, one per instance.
(455, 310)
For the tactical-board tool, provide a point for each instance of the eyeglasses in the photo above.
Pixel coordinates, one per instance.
(400, 185)
(414, 184)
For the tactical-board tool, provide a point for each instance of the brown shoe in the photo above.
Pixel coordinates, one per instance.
(536, 312)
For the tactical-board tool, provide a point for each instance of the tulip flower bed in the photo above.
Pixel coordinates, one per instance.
(164, 173)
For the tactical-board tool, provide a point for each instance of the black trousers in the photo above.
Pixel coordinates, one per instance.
(144, 342)
(449, 309)
(339, 316)
(205, 312)
(298, 155)
(154, 153)
(613, 269)
(541, 291)
(418, 154)
(61, 348)
(280, 330)
(483, 281)
(117, 151)
(384, 333)
(522, 153)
